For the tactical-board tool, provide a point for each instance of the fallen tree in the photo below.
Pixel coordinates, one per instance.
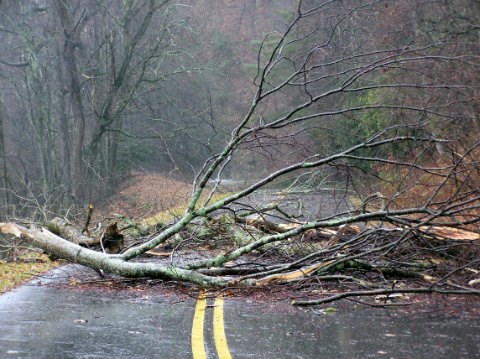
(352, 253)
(65, 249)
(425, 224)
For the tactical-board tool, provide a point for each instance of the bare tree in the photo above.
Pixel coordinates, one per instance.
(76, 96)
(339, 69)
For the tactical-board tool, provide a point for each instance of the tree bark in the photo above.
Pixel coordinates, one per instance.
(72, 41)
(67, 231)
(62, 248)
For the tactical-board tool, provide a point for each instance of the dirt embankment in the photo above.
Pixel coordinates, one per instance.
(146, 194)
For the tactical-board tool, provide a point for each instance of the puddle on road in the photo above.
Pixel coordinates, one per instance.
(56, 322)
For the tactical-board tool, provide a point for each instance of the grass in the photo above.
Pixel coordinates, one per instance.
(13, 274)
(169, 214)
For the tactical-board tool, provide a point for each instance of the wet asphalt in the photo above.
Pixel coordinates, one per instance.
(46, 320)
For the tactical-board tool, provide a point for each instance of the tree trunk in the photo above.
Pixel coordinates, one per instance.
(62, 248)
(72, 41)
(4, 180)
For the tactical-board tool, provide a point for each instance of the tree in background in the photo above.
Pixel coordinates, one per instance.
(91, 88)
(347, 94)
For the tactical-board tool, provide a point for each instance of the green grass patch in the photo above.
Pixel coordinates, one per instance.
(170, 214)
(356, 201)
(165, 216)
(30, 264)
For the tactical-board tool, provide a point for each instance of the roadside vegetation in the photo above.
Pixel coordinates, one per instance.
(23, 268)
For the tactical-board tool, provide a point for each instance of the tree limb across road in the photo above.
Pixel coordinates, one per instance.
(388, 119)
(62, 248)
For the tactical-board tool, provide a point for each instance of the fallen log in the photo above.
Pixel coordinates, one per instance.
(265, 225)
(112, 263)
(69, 232)
(111, 240)
(294, 275)
(451, 233)
(435, 232)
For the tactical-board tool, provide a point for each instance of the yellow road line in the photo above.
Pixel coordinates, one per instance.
(198, 346)
(219, 330)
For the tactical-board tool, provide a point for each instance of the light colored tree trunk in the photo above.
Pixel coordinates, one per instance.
(62, 248)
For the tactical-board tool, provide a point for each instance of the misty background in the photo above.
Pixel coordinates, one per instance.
(95, 90)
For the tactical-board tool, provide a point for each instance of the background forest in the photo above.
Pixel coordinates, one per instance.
(95, 90)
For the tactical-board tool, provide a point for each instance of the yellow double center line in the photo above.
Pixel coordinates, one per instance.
(198, 342)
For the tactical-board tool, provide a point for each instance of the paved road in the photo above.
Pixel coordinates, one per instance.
(303, 206)
(51, 321)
